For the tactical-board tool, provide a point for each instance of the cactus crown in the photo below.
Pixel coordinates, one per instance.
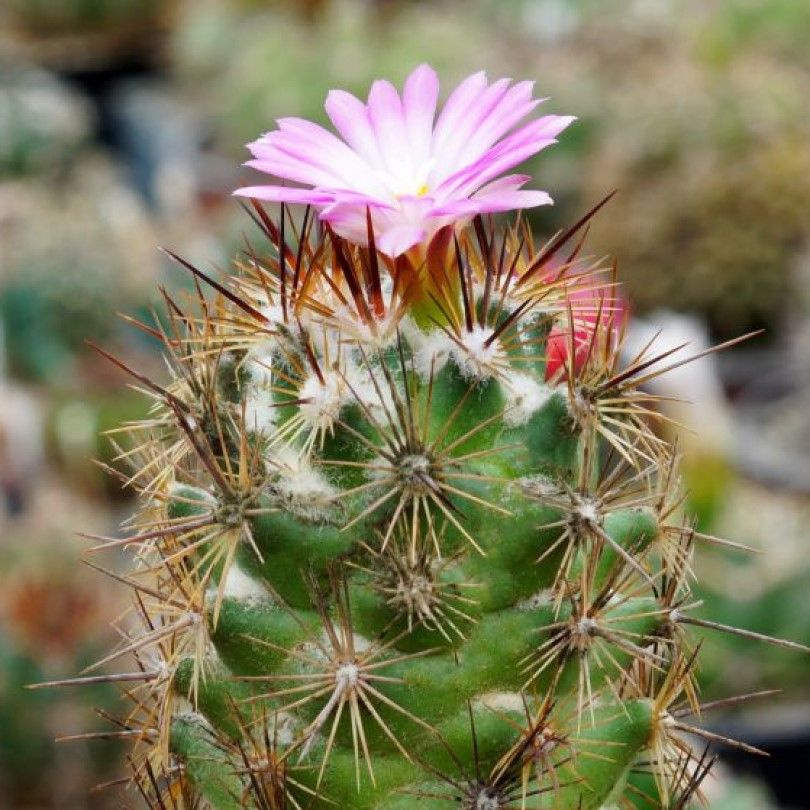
(408, 537)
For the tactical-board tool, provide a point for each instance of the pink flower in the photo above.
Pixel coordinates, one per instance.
(413, 173)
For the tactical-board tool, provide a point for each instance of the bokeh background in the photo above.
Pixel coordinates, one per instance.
(122, 127)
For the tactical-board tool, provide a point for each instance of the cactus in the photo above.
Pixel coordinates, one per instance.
(387, 555)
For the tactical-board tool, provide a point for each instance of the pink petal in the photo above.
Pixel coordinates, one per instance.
(343, 196)
(451, 144)
(280, 147)
(396, 240)
(498, 201)
(389, 145)
(393, 236)
(419, 104)
(310, 141)
(286, 168)
(553, 125)
(298, 131)
(294, 157)
(414, 208)
(470, 179)
(457, 209)
(557, 353)
(512, 108)
(350, 117)
(500, 195)
(346, 218)
(456, 107)
(505, 193)
(302, 196)
(506, 154)
(388, 121)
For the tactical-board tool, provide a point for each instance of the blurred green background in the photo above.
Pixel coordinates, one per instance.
(122, 127)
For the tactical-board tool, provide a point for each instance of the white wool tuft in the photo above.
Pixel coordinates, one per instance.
(238, 585)
(275, 315)
(275, 336)
(260, 414)
(501, 701)
(283, 728)
(588, 509)
(381, 335)
(361, 643)
(524, 397)
(322, 400)
(540, 486)
(476, 360)
(537, 600)
(576, 404)
(430, 350)
(487, 801)
(306, 492)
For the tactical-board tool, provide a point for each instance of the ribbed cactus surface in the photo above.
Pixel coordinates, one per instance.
(387, 556)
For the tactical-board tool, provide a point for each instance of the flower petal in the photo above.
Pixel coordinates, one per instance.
(450, 147)
(396, 240)
(419, 105)
(506, 154)
(497, 201)
(456, 107)
(500, 195)
(388, 121)
(510, 109)
(286, 194)
(287, 168)
(350, 117)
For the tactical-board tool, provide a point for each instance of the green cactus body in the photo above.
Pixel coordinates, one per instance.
(383, 563)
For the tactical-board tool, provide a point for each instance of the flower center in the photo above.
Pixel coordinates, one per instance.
(408, 181)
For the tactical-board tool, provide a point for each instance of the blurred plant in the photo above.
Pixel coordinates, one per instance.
(21, 447)
(70, 255)
(53, 618)
(79, 433)
(710, 155)
(780, 26)
(74, 16)
(284, 65)
(724, 241)
(776, 583)
(759, 591)
(43, 123)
